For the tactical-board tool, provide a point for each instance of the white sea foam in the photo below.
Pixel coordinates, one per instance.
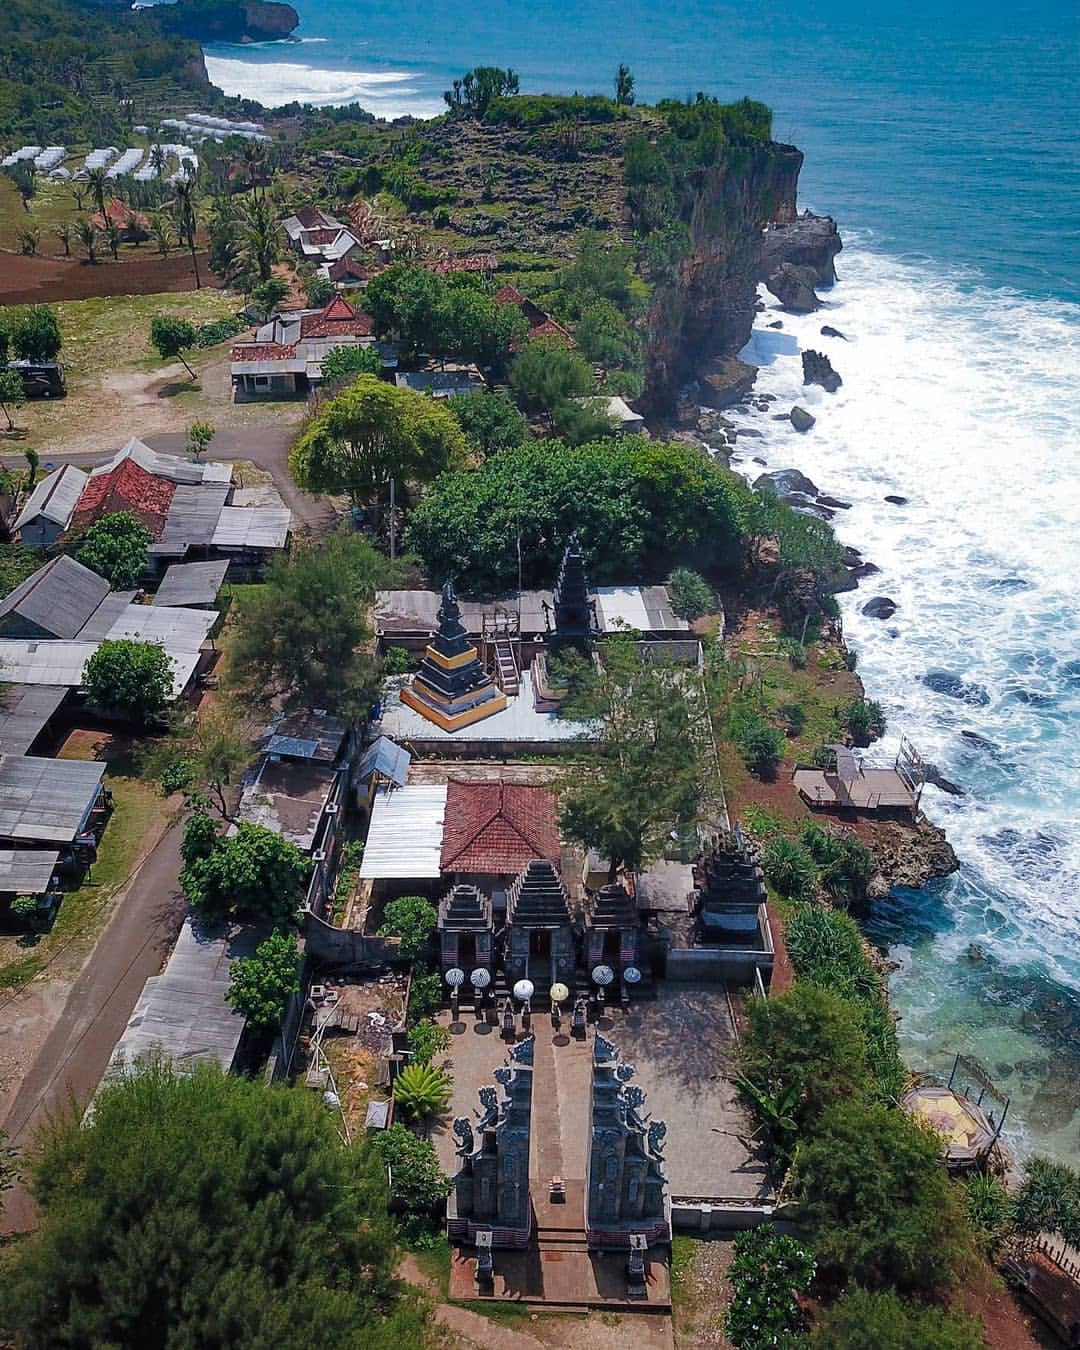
(962, 399)
(273, 83)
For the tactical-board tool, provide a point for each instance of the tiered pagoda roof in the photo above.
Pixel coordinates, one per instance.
(538, 899)
(730, 874)
(574, 622)
(612, 907)
(465, 909)
(451, 688)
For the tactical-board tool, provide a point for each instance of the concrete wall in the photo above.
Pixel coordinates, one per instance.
(342, 947)
(719, 965)
(725, 1216)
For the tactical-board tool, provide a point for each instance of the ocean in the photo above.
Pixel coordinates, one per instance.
(942, 139)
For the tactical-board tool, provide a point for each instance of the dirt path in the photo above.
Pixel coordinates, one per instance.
(133, 946)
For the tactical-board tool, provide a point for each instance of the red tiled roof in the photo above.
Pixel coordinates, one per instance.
(128, 487)
(310, 217)
(120, 214)
(497, 828)
(320, 236)
(263, 351)
(338, 319)
(348, 266)
(541, 324)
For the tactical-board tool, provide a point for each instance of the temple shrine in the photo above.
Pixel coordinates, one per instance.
(451, 688)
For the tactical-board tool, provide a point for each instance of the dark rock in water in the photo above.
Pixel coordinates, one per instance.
(727, 381)
(781, 417)
(894, 500)
(851, 557)
(847, 582)
(828, 331)
(794, 288)
(881, 607)
(809, 241)
(935, 776)
(778, 323)
(983, 742)
(1031, 697)
(866, 569)
(759, 460)
(801, 420)
(975, 952)
(817, 369)
(834, 502)
(783, 481)
(750, 431)
(807, 505)
(767, 398)
(955, 686)
(892, 632)
(1007, 584)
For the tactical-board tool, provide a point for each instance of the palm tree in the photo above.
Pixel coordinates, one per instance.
(253, 154)
(64, 234)
(159, 159)
(28, 240)
(98, 185)
(162, 232)
(422, 1091)
(87, 234)
(186, 220)
(113, 237)
(79, 193)
(256, 247)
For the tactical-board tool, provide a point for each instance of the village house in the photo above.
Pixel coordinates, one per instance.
(319, 237)
(541, 324)
(48, 509)
(133, 225)
(285, 357)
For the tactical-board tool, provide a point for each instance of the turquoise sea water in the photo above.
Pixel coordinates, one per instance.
(941, 135)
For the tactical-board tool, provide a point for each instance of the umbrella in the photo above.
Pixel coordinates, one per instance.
(559, 993)
(631, 975)
(524, 990)
(480, 978)
(602, 975)
(454, 977)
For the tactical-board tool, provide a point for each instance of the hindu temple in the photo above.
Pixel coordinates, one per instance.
(451, 688)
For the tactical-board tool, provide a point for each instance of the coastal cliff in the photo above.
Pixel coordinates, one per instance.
(221, 21)
(705, 311)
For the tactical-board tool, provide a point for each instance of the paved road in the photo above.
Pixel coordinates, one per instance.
(265, 446)
(133, 946)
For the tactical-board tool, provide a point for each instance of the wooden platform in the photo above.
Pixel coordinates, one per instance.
(873, 790)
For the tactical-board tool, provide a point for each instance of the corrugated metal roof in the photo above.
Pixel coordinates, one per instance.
(192, 520)
(54, 497)
(26, 871)
(195, 583)
(405, 835)
(100, 623)
(29, 662)
(182, 1012)
(253, 527)
(386, 757)
(58, 598)
(172, 467)
(46, 800)
(174, 628)
(24, 711)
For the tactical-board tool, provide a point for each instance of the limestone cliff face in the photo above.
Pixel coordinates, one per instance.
(225, 21)
(707, 310)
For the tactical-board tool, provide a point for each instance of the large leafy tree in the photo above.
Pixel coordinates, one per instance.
(876, 1203)
(648, 773)
(12, 395)
(116, 547)
(859, 1319)
(298, 636)
(371, 433)
(133, 679)
(411, 919)
(490, 422)
(456, 315)
(35, 334)
(254, 874)
(204, 1210)
(547, 375)
(260, 985)
(344, 363)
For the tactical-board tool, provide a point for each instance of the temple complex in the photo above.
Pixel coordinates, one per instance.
(539, 929)
(451, 688)
(466, 932)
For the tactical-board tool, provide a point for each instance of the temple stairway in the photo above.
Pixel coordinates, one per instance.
(506, 671)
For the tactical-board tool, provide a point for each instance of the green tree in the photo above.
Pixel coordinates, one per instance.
(808, 1040)
(187, 220)
(113, 238)
(130, 678)
(428, 1039)
(1049, 1199)
(171, 337)
(260, 985)
(202, 1209)
(65, 232)
(876, 1203)
(319, 291)
(344, 363)
(162, 233)
(691, 595)
(861, 1318)
(864, 721)
(35, 335)
(199, 436)
(412, 919)
(474, 92)
(373, 432)
(846, 864)
(268, 294)
(99, 187)
(12, 395)
(546, 375)
(646, 775)
(297, 637)
(455, 315)
(87, 234)
(201, 837)
(223, 742)
(768, 1273)
(624, 87)
(255, 247)
(490, 422)
(422, 1092)
(418, 1185)
(253, 874)
(116, 547)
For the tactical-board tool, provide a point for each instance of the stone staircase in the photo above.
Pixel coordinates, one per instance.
(506, 671)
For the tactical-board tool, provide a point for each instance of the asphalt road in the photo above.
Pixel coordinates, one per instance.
(133, 946)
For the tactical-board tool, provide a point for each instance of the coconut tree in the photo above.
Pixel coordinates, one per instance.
(87, 234)
(255, 249)
(65, 233)
(187, 221)
(28, 240)
(113, 237)
(422, 1091)
(158, 159)
(99, 186)
(162, 233)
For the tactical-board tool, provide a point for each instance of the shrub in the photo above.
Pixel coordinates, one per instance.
(789, 869)
(132, 679)
(794, 651)
(116, 547)
(759, 742)
(412, 919)
(218, 330)
(260, 985)
(1049, 1198)
(691, 594)
(864, 721)
(860, 1319)
(255, 873)
(846, 864)
(422, 1091)
(177, 775)
(876, 1201)
(988, 1206)
(427, 1039)
(768, 1272)
(418, 1185)
(24, 908)
(425, 993)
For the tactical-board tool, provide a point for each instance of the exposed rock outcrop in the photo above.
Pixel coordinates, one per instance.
(881, 607)
(828, 331)
(224, 21)
(801, 420)
(955, 686)
(784, 482)
(817, 369)
(807, 241)
(726, 382)
(794, 288)
(908, 855)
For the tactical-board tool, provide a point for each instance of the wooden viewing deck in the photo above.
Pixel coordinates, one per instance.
(853, 786)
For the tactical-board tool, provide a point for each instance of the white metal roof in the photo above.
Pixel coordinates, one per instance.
(622, 604)
(406, 831)
(252, 527)
(54, 497)
(173, 627)
(172, 467)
